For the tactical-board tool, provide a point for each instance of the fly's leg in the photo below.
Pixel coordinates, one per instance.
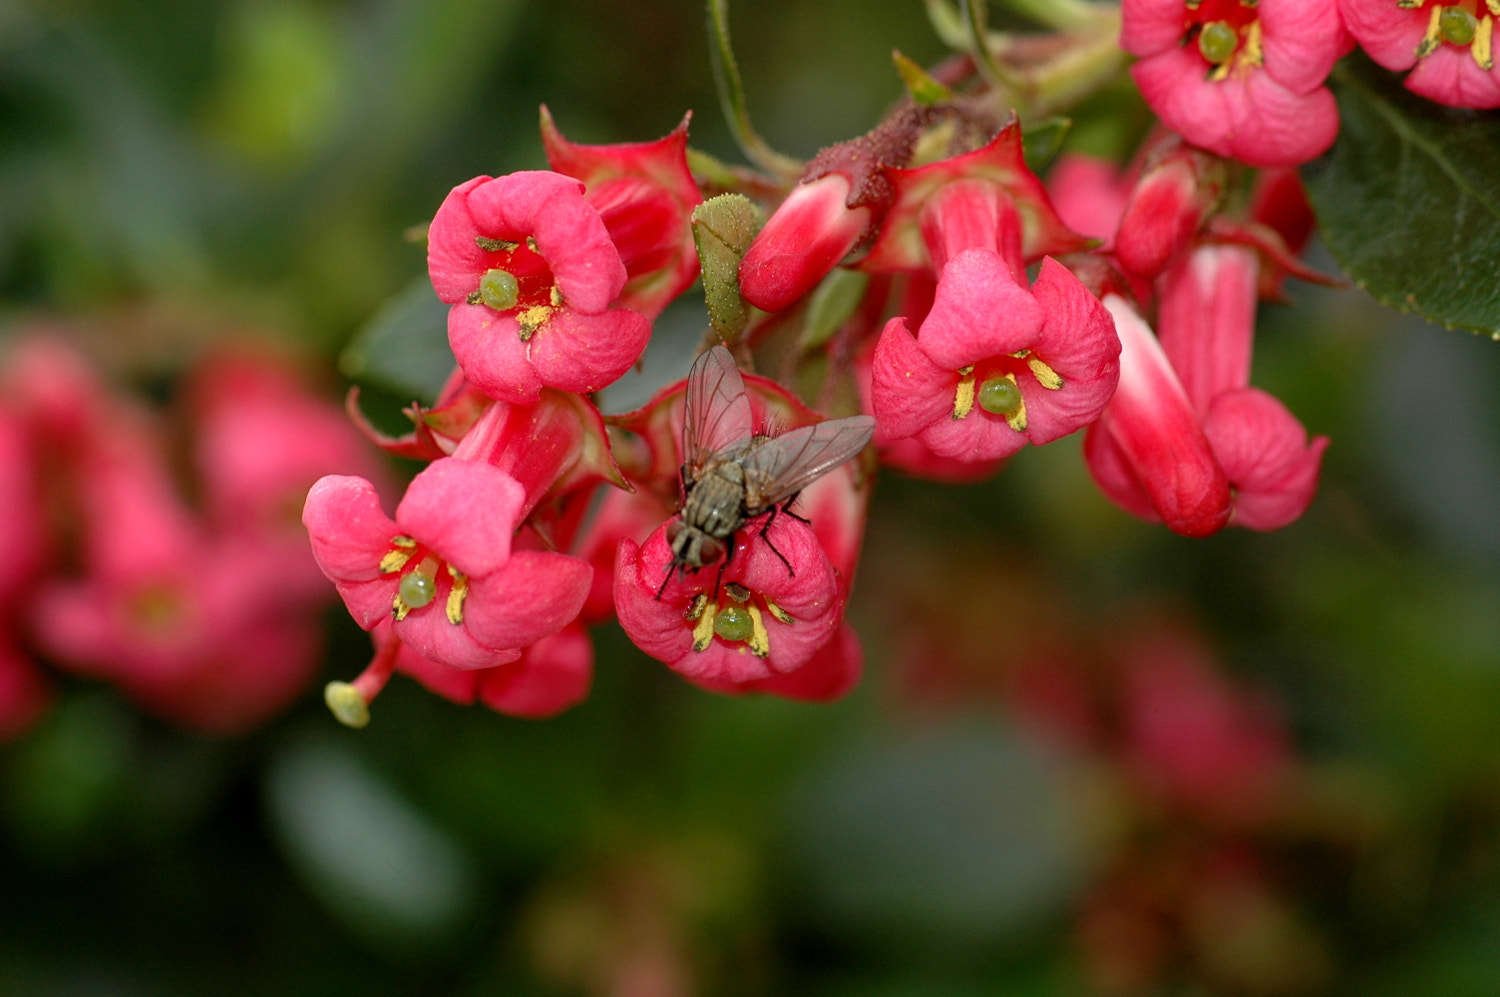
(776, 510)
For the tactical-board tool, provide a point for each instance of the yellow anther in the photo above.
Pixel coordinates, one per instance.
(695, 608)
(1481, 50)
(1045, 376)
(1434, 36)
(1493, 6)
(394, 561)
(531, 320)
(963, 398)
(456, 596)
(779, 613)
(703, 631)
(760, 641)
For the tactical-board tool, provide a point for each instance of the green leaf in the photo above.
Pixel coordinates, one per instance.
(404, 348)
(1042, 140)
(722, 228)
(1408, 200)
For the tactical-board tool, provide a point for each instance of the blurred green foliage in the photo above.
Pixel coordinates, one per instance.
(174, 171)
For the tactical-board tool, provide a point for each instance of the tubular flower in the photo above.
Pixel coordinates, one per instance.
(760, 617)
(531, 273)
(1239, 78)
(645, 193)
(1147, 452)
(803, 240)
(998, 204)
(443, 570)
(995, 365)
(1449, 47)
(1186, 438)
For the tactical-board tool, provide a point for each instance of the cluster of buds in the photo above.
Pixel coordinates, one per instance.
(206, 614)
(922, 274)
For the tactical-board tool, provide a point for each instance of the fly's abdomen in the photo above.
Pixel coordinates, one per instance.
(716, 505)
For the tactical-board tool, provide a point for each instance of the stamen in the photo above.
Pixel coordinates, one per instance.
(1434, 36)
(1482, 49)
(456, 596)
(694, 611)
(1045, 376)
(496, 245)
(531, 320)
(780, 613)
(737, 592)
(1493, 6)
(963, 397)
(703, 632)
(760, 641)
(395, 560)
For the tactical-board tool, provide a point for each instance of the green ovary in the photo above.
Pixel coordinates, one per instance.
(417, 588)
(499, 289)
(1457, 25)
(1000, 396)
(733, 623)
(1217, 41)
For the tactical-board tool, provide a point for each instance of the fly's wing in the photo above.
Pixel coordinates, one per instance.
(780, 467)
(716, 413)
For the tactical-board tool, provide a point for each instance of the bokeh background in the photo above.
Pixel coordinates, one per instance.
(1088, 756)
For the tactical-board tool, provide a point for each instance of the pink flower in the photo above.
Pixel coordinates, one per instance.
(1240, 80)
(531, 273)
(213, 632)
(760, 619)
(995, 365)
(1447, 46)
(444, 569)
(645, 193)
(23, 525)
(808, 235)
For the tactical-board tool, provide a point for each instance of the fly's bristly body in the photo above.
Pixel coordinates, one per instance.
(730, 475)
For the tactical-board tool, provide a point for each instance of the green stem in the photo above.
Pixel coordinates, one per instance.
(732, 98)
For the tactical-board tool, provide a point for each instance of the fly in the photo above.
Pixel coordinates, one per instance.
(730, 475)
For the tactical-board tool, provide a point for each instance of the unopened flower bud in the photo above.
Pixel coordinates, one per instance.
(806, 238)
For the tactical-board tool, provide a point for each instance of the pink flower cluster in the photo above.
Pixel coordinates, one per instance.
(1246, 79)
(206, 613)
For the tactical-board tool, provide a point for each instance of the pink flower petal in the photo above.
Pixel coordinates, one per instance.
(908, 392)
(553, 675)
(350, 534)
(979, 311)
(1301, 40)
(1079, 343)
(1206, 320)
(1264, 451)
(487, 345)
(1450, 76)
(583, 353)
(533, 595)
(466, 511)
(1388, 33)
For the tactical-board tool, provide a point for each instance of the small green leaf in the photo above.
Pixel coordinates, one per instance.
(1408, 200)
(722, 228)
(1042, 140)
(832, 303)
(923, 88)
(404, 348)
